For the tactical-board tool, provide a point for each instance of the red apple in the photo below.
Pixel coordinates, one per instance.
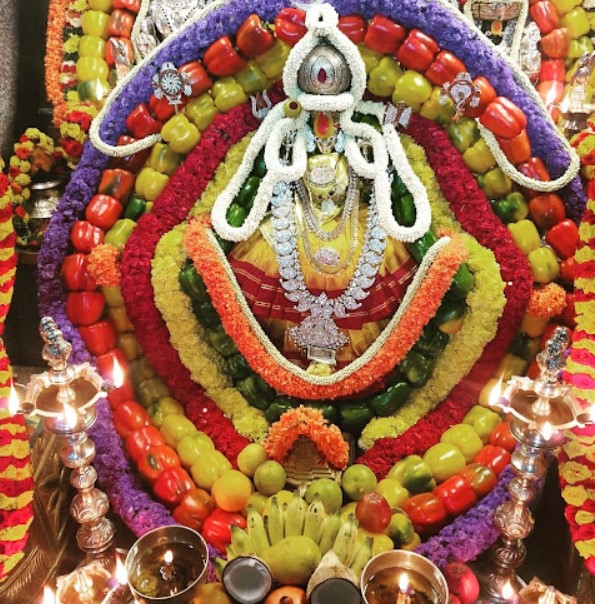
(461, 581)
(373, 512)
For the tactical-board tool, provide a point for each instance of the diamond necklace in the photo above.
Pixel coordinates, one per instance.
(318, 333)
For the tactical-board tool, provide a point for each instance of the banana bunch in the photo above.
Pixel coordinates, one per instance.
(297, 518)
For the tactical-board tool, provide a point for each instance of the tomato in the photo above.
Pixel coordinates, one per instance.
(373, 512)
(194, 508)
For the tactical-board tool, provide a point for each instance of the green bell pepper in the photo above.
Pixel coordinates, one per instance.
(353, 417)
(236, 215)
(221, 342)
(404, 209)
(163, 159)
(463, 133)
(416, 368)
(237, 367)
(512, 208)
(247, 193)
(277, 409)
(432, 342)
(328, 410)
(192, 284)
(150, 391)
(135, 208)
(252, 78)
(160, 409)
(386, 403)
(118, 235)
(462, 283)
(257, 392)
(206, 314)
(419, 248)
(414, 474)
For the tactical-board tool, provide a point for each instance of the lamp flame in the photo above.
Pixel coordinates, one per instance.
(168, 557)
(508, 590)
(121, 574)
(547, 430)
(48, 596)
(495, 394)
(70, 415)
(14, 403)
(403, 583)
(117, 375)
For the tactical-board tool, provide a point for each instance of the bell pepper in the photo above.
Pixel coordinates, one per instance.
(157, 459)
(228, 94)
(217, 527)
(141, 123)
(386, 403)
(221, 342)
(172, 484)
(438, 108)
(118, 183)
(450, 315)
(552, 70)
(253, 37)
(180, 133)
(462, 283)
(256, 391)
(135, 208)
(465, 439)
(237, 367)
(384, 35)
(525, 235)
(503, 437)
(503, 118)
(93, 91)
(545, 16)
(131, 163)
(556, 44)
(120, 23)
(119, 318)
(413, 89)
(494, 458)
(194, 508)
(457, 495)
(535, 169)
(487, 94)
(201, 111)
(416, 368)
(99, 337)
(108, 362)
(129, 345)
(419, 247)
(141, 369)
(132, 5)
(444, 460)
(354, 27)
(328, 410)
(579, 47)
(516, 149)
(495, 183)
(547, 210)
(149, 183)
(568, 315)
(274, 59)
(91, 46)
(432, 342)
(103, 211)
(354, 416)
(483, 420)
(544, 264)
(129, 417)
(414, 474)
(74, 273)
(161, 108)
(192, 284)
(206, 314)
(165, 406)
(463, 134)
(444, 68)
(551, 92)
(290, 25)
(482, 480)
(150, 391)
(384, 76)
(236, 214)
(222, 59)
(112, 295)
(121, 394)
(276, 410)
(426, 511)
(102, 5)
(563, 237)
(141, 440)
(565, 6)
(577, 22)
(90, 68)
(370, 57)
(417, 51)
(252, 78)
(119, 50)
(84, 307)
(95, 23)
(404, 209)
(200, 81)
(478, 157)
(163, 159)
(511, 208)
(118, 235)
(568, 270)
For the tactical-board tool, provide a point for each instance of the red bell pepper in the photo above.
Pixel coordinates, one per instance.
(141, 440)
(546, 210)
(129, 417)
(199, 78)
(107, 363)
(517, 149)
(568, 315)
(99, 337)
(217, 528)
(114, 47)
(74, 273)
(172, 485)
(552, 69)
(117, 396)
(426, 511)
(482, 479)
(563, 237)
(354, 27)
(494, 458)
(120, 23)
(157, 459)
(444, 68)
(568, 270)
(417, 51)
(486, 95)
(118, 183)
(84, 308)
(194, 508)
(222, 59)
(503, 118)
(456, 494)
(132, 5)
(141, 123)
(502, 437)
(161, 108)
(384, 35)
(103, 211)
(253, 37)
(556, 44)
(545, 16)
(85, 236)
(131, 163)
(550, 91)
(535, 169)
(290, 25)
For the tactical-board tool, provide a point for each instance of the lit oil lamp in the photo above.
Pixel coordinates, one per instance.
(508, 593)
(48, 596)
(119, 592)
(85, 585)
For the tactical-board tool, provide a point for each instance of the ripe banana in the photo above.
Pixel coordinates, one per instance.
(345, 541)
(273, 522)
(315, 517)
(362, 555)
(241, 542)
(295, 516)
(256, 532)
(329, 533)
(231, 553)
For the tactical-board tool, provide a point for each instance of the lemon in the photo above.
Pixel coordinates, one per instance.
(269, 477)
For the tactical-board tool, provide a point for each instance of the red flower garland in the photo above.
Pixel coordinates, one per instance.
(473, 211)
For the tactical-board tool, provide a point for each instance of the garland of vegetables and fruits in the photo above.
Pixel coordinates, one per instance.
(123, 273)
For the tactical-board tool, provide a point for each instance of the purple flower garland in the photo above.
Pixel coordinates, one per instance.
(471, 534)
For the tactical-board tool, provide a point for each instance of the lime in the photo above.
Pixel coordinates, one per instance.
(357, 481)
(231, 491)
(269, 477)
(250, 457)
(329, 491)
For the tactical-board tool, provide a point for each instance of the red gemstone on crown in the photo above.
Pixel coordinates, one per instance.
(322, 75)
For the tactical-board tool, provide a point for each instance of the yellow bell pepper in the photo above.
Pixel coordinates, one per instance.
(579, 47)
(525, 235)
(201, 111)
(544, 264)
(102, 5)
(384, 76)
(118, 235)
(120, 319)
(273, 60)
(129, 345)
(495, 183)
(577, 22)
(463, 133)
(163, 159)
(252, 78)
(228, 94)
(91, 46)
(113, 296)
(478, 158)
(94, 91)
(91, 68)
(149, 183)
(95, 23)
(434, 109)
(370, 57)
(181, 134)
(565, 6)
(413, 89)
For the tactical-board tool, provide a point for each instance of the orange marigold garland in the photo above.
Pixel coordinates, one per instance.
(547, 301)
(310, 423)
(104, 265)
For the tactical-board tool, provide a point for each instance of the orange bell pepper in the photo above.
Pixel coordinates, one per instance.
(503, 118)
(517, 149)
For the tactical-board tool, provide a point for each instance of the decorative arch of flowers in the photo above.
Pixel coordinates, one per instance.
(125, 262)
